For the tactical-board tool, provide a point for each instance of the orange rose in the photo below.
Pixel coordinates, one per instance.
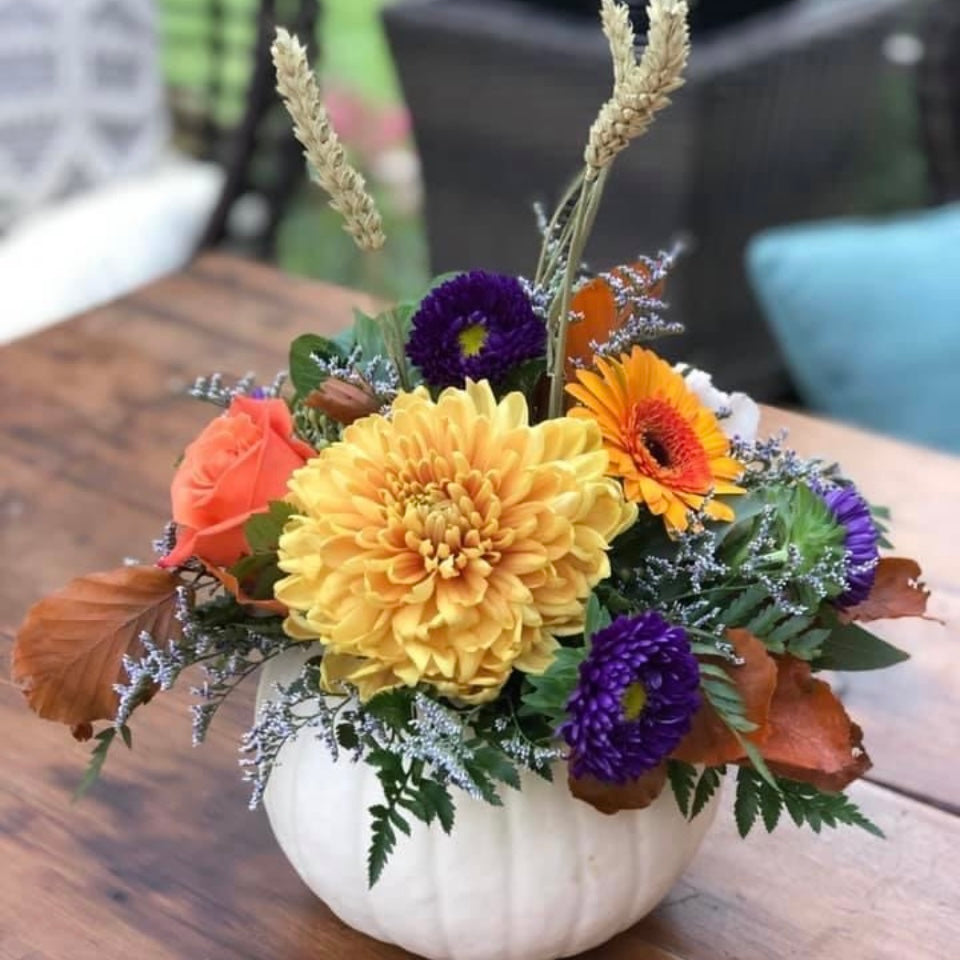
(239, 463)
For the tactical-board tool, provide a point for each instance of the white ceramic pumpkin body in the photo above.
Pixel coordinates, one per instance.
(544, 876)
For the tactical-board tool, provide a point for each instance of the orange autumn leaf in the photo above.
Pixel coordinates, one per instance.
(710, 741)
(232, 585)
(597, 307)
(611, 798)
(810, 736)
(896, 592)
(68, 653)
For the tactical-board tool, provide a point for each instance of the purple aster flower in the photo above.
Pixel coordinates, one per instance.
(635, 700)
(861, 541)
(477, 325)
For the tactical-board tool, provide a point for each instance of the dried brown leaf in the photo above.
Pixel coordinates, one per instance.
(611, 798)
(710, 741)
(810, 736)
(897, 592)
(68, 653)
(342, 401)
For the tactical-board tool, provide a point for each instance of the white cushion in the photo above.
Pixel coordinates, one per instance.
(81, 98)
(103, 244)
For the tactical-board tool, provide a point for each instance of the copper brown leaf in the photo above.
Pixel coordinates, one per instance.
(68, 653)
(811, 738)
(611, 798)
(896, 592)
(710, 741)
(342, 401)
(233, 587)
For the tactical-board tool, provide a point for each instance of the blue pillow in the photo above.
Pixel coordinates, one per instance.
(868, 317)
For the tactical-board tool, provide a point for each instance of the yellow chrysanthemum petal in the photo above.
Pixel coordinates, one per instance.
(448, 544)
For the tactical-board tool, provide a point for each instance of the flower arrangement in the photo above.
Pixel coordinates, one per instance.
(510, 536)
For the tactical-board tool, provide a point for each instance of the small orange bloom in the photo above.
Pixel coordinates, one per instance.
(596, 305)
(664, 444)
(239, 463)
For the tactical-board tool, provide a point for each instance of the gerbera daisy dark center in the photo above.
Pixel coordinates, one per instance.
(657, 450)
(664, 443)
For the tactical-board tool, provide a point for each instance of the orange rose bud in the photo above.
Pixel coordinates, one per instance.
(342, 401)
(239, 463)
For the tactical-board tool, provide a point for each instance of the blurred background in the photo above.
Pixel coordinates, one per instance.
(809, 165)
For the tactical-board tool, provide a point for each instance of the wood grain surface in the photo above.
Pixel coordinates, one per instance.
(163, 859)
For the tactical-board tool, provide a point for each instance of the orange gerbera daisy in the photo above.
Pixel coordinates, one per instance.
(664, 444)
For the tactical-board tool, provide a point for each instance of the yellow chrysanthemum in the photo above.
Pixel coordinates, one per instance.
(449, 543)
(664, 444)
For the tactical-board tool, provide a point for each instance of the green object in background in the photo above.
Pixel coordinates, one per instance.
(868, 316)
(356, 54)
(355, 58)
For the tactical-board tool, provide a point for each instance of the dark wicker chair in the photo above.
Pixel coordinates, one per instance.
(783, 119)
(256, 148)
(938, 90)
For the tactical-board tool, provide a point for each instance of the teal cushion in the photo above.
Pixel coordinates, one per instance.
(868, 317)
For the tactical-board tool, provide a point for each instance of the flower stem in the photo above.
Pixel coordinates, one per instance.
(580, 226)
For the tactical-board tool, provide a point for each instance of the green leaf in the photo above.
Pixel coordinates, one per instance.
(398, 821)
(394, 329)
(707, 786)
(726, 700)
(764, 621)
(483, 783)
(304, 372)
(439, 798)
(383, 840)
(393, 707)
(596, 618)
(524, 377)
(746, 509)
(790, 628)
(756, 796)
(808, 805)
(746, 808)
(127, 735)
(368, 336)
(744, 605)
(497, 765)
(759, 764)
(442, 278)
(714, 669)
(389, 765)
(97, 759)
(347, 736)
(771, 806)
(414, 802)
(809, 645)
(682, 777)
(850, 647)
(547, 695)
(263, 530)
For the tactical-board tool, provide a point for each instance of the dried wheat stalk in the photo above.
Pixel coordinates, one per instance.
(641, 89)
(346, 188)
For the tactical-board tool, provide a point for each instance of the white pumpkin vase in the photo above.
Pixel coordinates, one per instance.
(544, 876)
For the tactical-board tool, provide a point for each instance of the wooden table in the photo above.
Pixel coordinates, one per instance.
(163, 860)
